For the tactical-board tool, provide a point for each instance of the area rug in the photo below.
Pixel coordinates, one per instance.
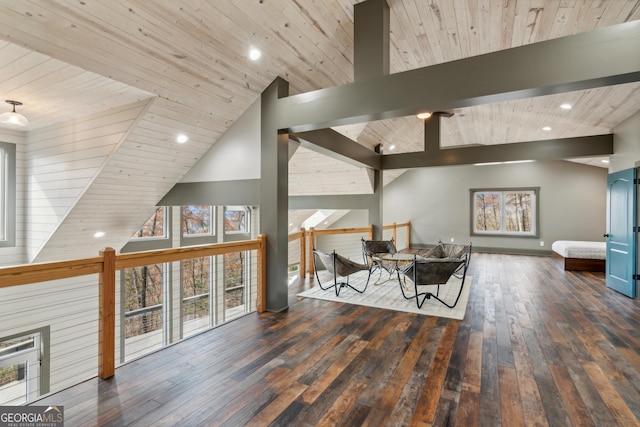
(387, 295)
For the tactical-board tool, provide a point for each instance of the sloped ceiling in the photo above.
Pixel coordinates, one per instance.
(65, 59)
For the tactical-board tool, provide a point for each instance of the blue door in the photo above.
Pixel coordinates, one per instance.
(621, 214)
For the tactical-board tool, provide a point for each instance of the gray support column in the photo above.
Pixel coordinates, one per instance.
(375, 208)
(274, 194)
(371, 39)
(432, 133)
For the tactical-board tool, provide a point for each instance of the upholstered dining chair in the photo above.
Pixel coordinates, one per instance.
(341, 268)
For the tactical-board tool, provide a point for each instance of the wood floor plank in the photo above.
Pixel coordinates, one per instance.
(537, 346)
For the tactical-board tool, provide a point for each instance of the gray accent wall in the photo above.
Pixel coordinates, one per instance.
(572, 202)
(626, 144)
(236, 155)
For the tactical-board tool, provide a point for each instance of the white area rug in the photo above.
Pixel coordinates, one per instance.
(388, 295)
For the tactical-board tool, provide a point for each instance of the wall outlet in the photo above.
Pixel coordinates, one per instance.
(452, 239)
(541, 242)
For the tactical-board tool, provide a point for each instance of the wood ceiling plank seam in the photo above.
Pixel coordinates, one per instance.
(288, 52)
(462, 27)
(472, 19)
(184, 113)
(339, 40)
(77, 130)
(592, 16)
(548, 20)
(211, 50)
(78, 47)
(612, 100)
(404, 37)
(15, 69)
(150, 39)
(534, 13)
(494, 29)
(450, 24)
(484, 26)
(563, 19)
(309, 55)
(435, 11)
(520, 23)
(630, 11)
(507, 24)
(431, 29)
(611, 14)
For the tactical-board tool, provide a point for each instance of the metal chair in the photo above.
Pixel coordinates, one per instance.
(341, 267)
(372, 248)
(434, 271)
(448, 250)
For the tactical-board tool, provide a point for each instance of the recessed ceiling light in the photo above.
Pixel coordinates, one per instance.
(424, 115)
(98, 234)
(605, 160)
(182, 138)
(566, 106)
(254, 54)
(290, 224)
(392, 147)
(546, 128)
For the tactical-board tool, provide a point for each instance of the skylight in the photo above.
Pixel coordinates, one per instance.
(317, 218)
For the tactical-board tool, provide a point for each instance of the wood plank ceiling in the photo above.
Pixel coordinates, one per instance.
(67, 58)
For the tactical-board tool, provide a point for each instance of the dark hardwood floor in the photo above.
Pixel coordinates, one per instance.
(538, 346)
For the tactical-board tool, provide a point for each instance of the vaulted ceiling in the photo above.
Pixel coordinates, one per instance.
(66, 59)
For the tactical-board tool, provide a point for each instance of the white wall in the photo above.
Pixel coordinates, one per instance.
(436, 201)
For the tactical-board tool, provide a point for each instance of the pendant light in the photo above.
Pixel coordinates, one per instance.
(13, 118)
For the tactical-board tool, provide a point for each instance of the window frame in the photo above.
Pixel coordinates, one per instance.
(8, 195)
(535, 211)
(247, 222)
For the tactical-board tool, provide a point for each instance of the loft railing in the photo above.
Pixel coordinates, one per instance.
(301, 243)
(108, 263)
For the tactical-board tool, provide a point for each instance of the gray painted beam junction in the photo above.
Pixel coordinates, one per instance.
(603, 57)
(335, 145)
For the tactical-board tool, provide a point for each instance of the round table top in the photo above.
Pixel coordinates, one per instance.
(394, 257)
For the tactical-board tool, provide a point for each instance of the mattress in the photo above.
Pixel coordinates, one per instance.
(577, 249)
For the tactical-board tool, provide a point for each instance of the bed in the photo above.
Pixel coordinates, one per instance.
(578, 255)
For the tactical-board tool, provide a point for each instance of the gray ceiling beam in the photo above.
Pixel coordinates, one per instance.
(602, 57)
(238, 192)
(553, 149)
(335, 145)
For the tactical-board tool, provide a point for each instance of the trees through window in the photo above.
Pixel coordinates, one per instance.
(507, 212)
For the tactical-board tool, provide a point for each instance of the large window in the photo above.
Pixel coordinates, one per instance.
(505, 212)
(196, 295)
(7, 194)
(155, 227)
(236, 219)
(143, 309)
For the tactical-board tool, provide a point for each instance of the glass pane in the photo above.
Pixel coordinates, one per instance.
(196, 283)
(143, 309)
(153, 227)
(13, 384)
(487, 211)
(518, 212)
(196, 220)
(235, 219)
(234, 284)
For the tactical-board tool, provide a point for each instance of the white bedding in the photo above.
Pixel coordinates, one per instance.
(576, 249)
